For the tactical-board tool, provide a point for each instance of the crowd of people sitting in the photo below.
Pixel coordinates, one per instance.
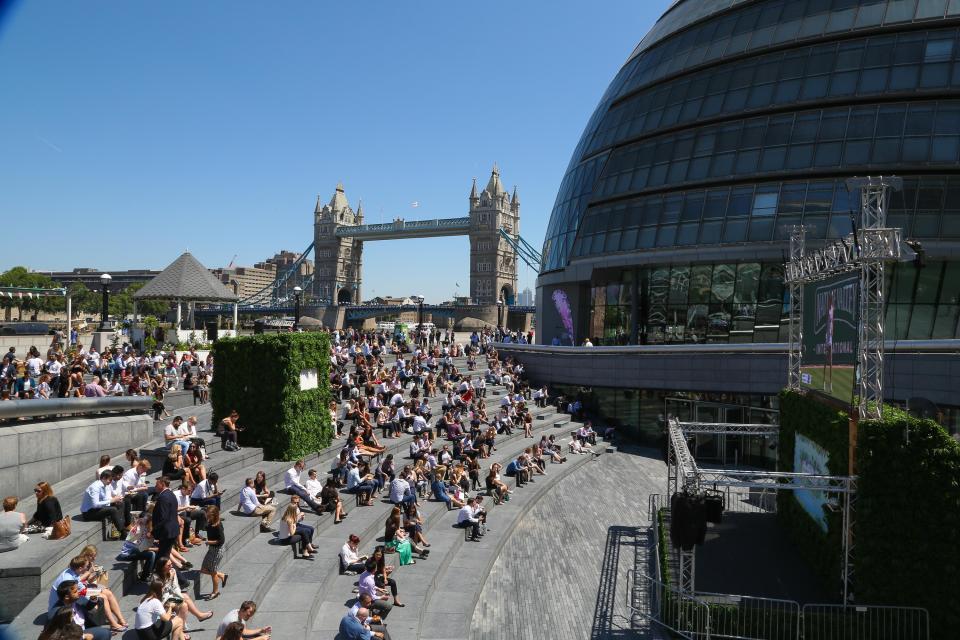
(375, 402)
(120, 371)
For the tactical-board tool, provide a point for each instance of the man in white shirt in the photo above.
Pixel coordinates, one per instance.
(188, 431)
(190, 513)
(292, 485)
(251, 506)
(467, 519)
(420, 425)
(136, 477)
(206, 492)
(400, 492)
(97, 505)
(242, 615)
(171, 435)
(313, 484)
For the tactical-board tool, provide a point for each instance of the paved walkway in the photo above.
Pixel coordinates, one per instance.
(570, 581)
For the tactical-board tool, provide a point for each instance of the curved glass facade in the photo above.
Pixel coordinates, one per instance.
(734, 120)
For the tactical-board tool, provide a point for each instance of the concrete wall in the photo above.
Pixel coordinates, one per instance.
(919, 370)
(55, 450)
(23, 344)
(652, 368)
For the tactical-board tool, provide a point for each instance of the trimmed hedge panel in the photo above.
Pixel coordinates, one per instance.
(906, 514)
(259, 376)
(907, 521)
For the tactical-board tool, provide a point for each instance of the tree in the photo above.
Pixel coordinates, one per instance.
(148, 307)
(83, 300)
(22, 277)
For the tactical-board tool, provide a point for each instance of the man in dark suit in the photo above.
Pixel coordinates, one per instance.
(165, 526)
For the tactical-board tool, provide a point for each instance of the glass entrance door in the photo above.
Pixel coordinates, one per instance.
(708, 445)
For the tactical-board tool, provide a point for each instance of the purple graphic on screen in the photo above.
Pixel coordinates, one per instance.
(563, 308)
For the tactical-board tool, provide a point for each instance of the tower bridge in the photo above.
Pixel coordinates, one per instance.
(340, 231)
(333, 291)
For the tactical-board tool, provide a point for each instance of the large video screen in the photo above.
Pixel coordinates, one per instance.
(810, 457)
(830, 329)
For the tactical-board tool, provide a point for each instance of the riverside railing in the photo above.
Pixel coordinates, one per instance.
(72, 406)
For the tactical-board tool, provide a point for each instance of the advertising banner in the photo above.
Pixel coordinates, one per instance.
(830, 328)
(809, 457)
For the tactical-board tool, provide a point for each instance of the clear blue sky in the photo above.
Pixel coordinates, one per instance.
(134, 130)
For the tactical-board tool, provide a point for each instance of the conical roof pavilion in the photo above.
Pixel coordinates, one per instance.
(187, 280)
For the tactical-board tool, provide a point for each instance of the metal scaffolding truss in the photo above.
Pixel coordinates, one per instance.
(775, 480)
(683, 473)
(795, 290)
(729, 428)
(866, 250)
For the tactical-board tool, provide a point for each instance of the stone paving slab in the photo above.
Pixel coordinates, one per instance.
(554, 579)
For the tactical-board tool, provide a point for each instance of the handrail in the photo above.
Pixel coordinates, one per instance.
(72, 406)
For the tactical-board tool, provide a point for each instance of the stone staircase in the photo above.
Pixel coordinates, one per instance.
(301, 598)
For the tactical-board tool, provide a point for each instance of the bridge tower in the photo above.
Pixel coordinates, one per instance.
(493, 265)
(337, 270)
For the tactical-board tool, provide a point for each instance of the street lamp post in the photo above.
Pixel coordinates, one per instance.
(499, 313)
(297, 291)
(419, 300)
(105, 282)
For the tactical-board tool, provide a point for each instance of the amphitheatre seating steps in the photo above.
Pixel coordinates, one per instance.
(437, 520)
(232, 469)
(28, 570)
(271, 578)
(446, 610)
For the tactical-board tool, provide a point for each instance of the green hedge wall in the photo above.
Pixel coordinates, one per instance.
(822, 552)
(907, 518)
(906, 514)
(259, 376)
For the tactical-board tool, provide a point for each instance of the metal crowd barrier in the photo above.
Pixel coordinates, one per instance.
(751, 618)
(684, 615)
(703, 615)
(72, 406)
(838, 622)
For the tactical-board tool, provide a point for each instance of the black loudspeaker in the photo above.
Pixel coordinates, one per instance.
(714, 503)
(688, 520)
(211, 332)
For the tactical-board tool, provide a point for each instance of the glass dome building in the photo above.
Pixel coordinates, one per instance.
(732, 121)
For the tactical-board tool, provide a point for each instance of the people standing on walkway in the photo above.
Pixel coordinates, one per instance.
(214, 556)
(165, 525)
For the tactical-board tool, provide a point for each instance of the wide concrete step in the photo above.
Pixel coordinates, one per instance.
(446, 610)
(287, 591)
(28, 570)
(336, 589)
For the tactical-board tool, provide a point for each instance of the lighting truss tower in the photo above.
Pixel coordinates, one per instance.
(874, 247)
(865, 251)
(798, 235)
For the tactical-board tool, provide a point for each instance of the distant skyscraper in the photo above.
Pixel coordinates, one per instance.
(525, 299)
